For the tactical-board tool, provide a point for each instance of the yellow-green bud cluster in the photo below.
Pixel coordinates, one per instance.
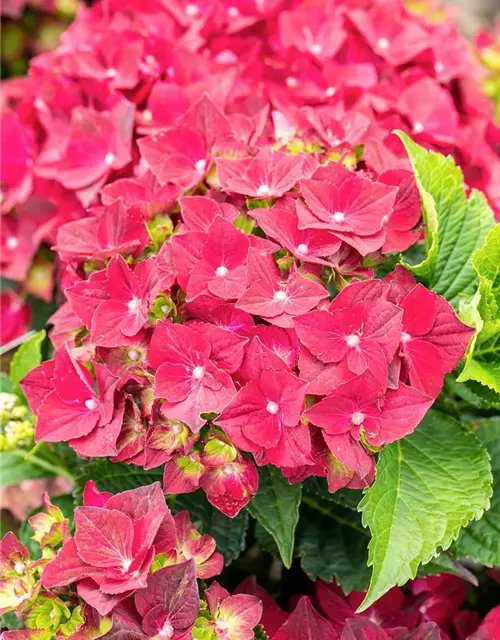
(16, 423)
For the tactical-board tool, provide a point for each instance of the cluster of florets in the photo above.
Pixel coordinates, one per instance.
(222, 333)
(432, 608)
(129, 565)
(332, 79)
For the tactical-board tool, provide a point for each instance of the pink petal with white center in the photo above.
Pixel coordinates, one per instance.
(104, 537)
(186, 251)
(282, 224)
(267, 175)
(58, 421)
(199, 212)
(357, 206)
(227, 347)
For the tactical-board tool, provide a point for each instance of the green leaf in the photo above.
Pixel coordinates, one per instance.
(27, 357)
(229, 533)
(265, 540)
(318, 487)
(427, 487)
(5, 383)
(333, 544)
(475, 394)
(114, 477)
(482, 311)
(10, 621)
(481, 539)
(276, 507)
(259, 633)
(15, 468)
(445, 563)
(455, 226)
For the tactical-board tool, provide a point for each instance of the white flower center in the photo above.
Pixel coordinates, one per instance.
(272, 407)
(191, 10)
(147, 115)
(19, 568)
(126, 562)
(352, 340)
(405, 337)
(198, 372)
(316, 49)
(12, 242)
(233, 12)
(109, 158)
(383, 43)
(331, 91)
(111, 73)
(150, 59)
(385, 219)
(221, 271)
(263, 190)
(302, 249)
(133, 355)
(201, 165)
(280, 296)
(291, 82)
(134, 304)
(439, 67)
(167, 631)
(418, 127)
(357, 418)
(91, 404)
(338, 216)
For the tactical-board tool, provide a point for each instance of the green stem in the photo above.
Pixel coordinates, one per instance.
(43, 464)
(330, 514)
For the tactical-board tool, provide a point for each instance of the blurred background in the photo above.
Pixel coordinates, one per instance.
(30, 27)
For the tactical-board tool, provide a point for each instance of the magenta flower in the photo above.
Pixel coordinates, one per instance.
(267, 175)
(231, 485)
(17, 152)
(360, 337)
(436, 117)
(304, 619)
(72, 410)
(113, 230)
(281, 223)
(234, 616)
(390, 34)
(360, 411)
(15, 315)
(352, 204)
(273, 298)
(312, 32)
(433, 339)
(191, 545)
(221, 270)
(94, 144)
(186, 378)
(170, 603)
(113, 547)
(263, 410)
